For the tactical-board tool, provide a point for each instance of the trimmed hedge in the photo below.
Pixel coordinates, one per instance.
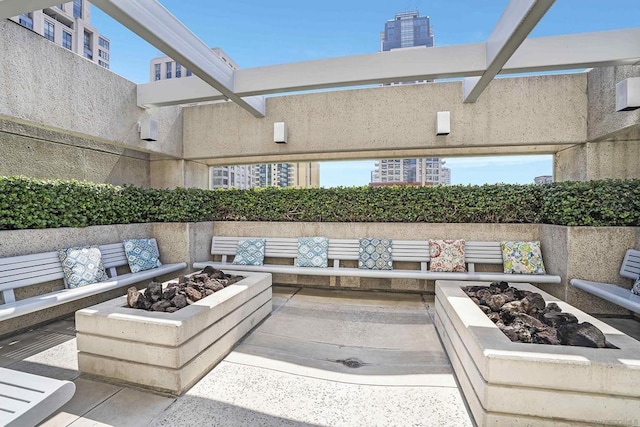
(33, 203)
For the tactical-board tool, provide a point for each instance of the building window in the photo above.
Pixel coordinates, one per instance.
(158, 71)
(169, 69)
(88, 51)
(49, 30)
(103, 43)
(66, 40)
(103, 64)
(189, 73)
(77, 8)
(61, 6)
(178, 70)
(102, 54)
(26, 20)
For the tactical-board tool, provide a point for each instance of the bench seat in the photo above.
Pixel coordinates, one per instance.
(616, 294)
(348, 250)
(27, 399)
(27, 270)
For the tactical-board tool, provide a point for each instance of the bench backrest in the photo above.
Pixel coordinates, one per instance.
(27, 270)
(348, 250)
(631, 264)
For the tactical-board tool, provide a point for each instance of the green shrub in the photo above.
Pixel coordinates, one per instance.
(33, 203)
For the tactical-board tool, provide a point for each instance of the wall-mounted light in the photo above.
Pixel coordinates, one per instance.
(628, 94)
(148, 128)
(280, 133)
(443, 123)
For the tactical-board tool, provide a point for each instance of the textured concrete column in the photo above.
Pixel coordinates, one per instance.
(179, 173)
(184, 242)
(598, 160)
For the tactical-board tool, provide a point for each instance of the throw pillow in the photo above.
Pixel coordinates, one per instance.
(250, 252)
(636, 286)
(82, 266)
(375, 254)
(522, 258)
(312, 252)
(446, 255)
(142, 254)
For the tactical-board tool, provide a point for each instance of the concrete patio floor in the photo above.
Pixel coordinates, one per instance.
(322, 358)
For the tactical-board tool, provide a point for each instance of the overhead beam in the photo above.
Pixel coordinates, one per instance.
(11, 8)
(618, 47)
(155, 24)
(518, 19)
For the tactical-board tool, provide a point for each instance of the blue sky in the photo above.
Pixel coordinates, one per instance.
(256, 33)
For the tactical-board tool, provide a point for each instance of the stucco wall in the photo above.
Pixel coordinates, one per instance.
(46, 154)
(530, 112)
(70, 93)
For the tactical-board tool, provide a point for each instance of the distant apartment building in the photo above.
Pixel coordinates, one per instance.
(300, 175)
(544, 179)
(69, 25)
(163, 67)
(422, 171)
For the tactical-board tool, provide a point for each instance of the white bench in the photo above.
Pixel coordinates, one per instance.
(27, 270)
(623, 297)
(348, 250)
(26, 399)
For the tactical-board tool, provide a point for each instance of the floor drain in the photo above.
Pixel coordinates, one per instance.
(351, 363)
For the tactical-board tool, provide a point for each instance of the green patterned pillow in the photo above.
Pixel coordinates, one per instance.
(312, 252)
(250, 252)
(375, 254)
(82, 266)
(522, 257)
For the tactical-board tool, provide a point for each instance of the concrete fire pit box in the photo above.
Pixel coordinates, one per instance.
(516, 384)
(169, 352)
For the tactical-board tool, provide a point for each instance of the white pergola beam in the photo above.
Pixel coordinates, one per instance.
(618, 47)
(518, 19)
(11, 8)
(155, 24)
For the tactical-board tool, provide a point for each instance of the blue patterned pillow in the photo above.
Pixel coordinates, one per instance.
(82, 266)
(636, 286)
(312, 252)
(250, 252)
(375, 254)
(142, 254)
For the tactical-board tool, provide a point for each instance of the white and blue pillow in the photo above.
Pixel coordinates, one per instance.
(312, 252)
(250, 252)
(142, 254)
(82, 266)
(375, 254)
(636, 286)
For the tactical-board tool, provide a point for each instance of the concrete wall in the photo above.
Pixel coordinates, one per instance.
(178, 242)
(48, 86)
(598, 160)
(532, 114)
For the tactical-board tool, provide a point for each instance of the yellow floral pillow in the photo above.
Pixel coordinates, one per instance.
(522, 258)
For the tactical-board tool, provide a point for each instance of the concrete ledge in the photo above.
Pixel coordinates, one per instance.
(508, 383)
(169, 352)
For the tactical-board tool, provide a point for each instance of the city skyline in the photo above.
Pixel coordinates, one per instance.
(273, 34)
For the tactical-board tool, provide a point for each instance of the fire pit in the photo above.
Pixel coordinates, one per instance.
(165, 351)
(514, 383)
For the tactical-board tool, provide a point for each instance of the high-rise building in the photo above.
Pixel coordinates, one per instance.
(409, 30)
(422, 171)
(544, 179)
(163, 67)
(69, 25)
(301, 175)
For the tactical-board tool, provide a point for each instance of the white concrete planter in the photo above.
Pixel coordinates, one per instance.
(169, 351)
(512, 384)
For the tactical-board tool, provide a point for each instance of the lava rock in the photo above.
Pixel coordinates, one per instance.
(497, 301)
(179, 301)
(169, 293)
(193, 294)
(533, 303)
(161, 305)
(132, 296)
(555, 318)
(153, 292)
(581, 334)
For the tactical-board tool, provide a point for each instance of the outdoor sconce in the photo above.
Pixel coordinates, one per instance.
(148, 129)
(443, 123)
(628, 94)
(280, 133)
